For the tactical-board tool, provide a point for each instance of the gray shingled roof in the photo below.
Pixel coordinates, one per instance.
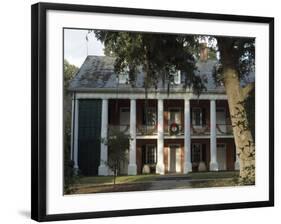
(98, 72)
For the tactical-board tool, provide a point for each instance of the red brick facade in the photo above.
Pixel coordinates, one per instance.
(203, 139)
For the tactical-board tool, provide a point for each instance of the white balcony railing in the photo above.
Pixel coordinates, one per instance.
(142, 130)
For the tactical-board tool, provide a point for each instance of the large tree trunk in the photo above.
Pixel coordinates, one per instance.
(245, 146)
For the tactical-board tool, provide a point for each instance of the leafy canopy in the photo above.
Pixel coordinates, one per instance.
(158, 55)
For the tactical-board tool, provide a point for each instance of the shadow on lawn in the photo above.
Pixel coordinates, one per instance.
(156, 182)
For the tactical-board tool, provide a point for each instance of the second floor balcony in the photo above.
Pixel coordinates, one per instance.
(221, 130)
(178, 130)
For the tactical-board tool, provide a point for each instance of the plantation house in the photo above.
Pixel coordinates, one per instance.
(182, 133)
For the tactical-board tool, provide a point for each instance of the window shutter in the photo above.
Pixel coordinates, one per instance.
(203, 116)
(204, 152)
(143, 149)
(143, 116)
(191, 122)
(191, 153)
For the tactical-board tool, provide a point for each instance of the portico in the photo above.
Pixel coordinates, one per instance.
(159, 130)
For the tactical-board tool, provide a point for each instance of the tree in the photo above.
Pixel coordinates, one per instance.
(160, 55)
(118, 145)
(69, 174)
(237, 56)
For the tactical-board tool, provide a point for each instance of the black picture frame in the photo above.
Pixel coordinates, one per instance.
(39, 122)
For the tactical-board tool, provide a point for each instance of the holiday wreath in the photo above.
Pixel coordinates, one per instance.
(174, 129)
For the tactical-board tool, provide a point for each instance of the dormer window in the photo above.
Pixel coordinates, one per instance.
(177, 78)
(123, 77)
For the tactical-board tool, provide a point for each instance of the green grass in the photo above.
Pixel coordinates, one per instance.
(104, 180)
(99, 180)
(96, 184)
(213, 175)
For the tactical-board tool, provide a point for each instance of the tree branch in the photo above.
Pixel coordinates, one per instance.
(245, 91)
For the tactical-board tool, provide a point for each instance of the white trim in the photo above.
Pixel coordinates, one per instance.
(72, 127)
(134, 95)
(187, 167)
(132, 167)
(76, 134)
(103, 168)
(146, 136)
(208, 136)
(213, 132)
(160, 137)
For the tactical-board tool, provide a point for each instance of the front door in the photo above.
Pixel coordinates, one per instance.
(174, 161)
(221, 156)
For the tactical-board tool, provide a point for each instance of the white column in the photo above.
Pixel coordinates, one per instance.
(75, 130)
(213, 162)
(160, 140)
(132, 168)
(103, 168)
(72, 127)
(187, 142)
(237, 162)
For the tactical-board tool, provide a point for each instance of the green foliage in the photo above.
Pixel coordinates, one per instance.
(240, 56)
(69, 72)
(237, 52)
(118, 145)
(158, 55)
(69, 174)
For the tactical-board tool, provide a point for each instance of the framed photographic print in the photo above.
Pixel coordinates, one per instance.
(139, 111)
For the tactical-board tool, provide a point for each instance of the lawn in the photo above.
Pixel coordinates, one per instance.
(96, 184)
(103, 180)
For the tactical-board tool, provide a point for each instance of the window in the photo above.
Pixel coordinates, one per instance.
(196, 153)
(151, 118)
(124, 124)
(124, 116)
(197, 116)
(150, 154)
(123, 78)
(174, 116)
(177, 78)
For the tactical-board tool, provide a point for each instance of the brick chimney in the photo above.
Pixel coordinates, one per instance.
(203, 52)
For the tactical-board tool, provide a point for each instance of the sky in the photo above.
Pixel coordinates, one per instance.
(75, 46)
